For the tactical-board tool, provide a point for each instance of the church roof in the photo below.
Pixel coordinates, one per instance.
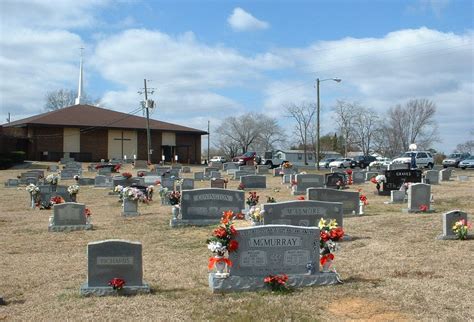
(93, 116)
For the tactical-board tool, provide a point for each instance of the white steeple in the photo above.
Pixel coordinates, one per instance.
(79, 90)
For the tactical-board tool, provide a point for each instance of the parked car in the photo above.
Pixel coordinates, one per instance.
(453, 159)
(324, 163)
(423, 159)
(340, 163)
(248, 156)
(218, 159)
(382, 162)
(467, 163)
(362, 161)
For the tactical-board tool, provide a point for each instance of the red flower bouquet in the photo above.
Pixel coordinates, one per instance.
(223, 240)
(117, 283)
(126, 175)
(277, 283)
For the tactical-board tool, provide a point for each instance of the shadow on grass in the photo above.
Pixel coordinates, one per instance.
(375, 282)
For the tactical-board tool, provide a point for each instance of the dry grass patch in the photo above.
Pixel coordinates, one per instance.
(393, 268)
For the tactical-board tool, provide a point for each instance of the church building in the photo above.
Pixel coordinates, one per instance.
(91, 133)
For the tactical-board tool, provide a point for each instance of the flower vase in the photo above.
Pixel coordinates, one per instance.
(74, 197)
(53, 187)
(221, 266)
(175, 212)
(256, 223)
(361, 208)
(33, 201)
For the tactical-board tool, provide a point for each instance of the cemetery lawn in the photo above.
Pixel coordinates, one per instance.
(393, 268)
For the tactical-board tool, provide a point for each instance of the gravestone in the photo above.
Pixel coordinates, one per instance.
(62, 191)
(208, 170)
(302, 212)
(248, 168)
(229, 166)
(12, 183)
(68, 174)
(286, 178)
(419, 194)
(218, 183)
(240, 173)
(449, 219)
(167, 183)
(69, 216)
(277, 172)
(186, 170)
(398, 166)
(217, 165)
(206, 206)
(332, 179)
(337, 170)
(397, 196)
(349, 199)
(432, 177)
(198, 175)
(124, 182)
(140, 164)
(53, 168)
(396, 178)
(113, 258)
(40, 173)
(29, 177)
(445, 175)
(176, 166)
(106, 171)
(370, 174)
(215, 174)
(151, 180)
(86, 181)
(186, 184)
(173, 173)
(101, 181)
(254, 181)
(262, 169)
(144, 173)
(358, 177)
(130, 208)
(463, 178)
(305, 181)
(273, 250)
(161, 170)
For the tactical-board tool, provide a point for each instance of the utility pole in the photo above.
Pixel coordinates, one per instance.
(208, 140)
(147, 104)
(317, 125)
(8, 118)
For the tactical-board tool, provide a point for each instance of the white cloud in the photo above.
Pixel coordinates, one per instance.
(240, 20)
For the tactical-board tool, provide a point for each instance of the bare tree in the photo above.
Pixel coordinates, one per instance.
(345, 115)
(63, 98)
(251, 130)
(466, 147)
(414, 123)
(303, 116)
(364, 128)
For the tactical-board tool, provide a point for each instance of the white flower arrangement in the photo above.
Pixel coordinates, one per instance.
(32, 189)
(74, 189)
(53, 178)
(380, 178)
(256, 213)
(150, 188)
(118, 188)
(163, 192)
(216, 247)
(132, 193)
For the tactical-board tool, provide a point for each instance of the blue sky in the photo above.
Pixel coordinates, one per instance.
(212, 59)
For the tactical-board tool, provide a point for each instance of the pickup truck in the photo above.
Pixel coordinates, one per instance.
(248, 156)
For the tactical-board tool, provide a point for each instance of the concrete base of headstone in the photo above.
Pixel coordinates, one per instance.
(444, 237)
(55, 228)
(87, 290)
(255, 283)
(410, 211)
(175, 222)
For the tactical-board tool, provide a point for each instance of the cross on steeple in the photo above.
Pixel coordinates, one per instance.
(79, 90)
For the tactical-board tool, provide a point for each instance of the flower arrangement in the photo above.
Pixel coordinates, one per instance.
(277, 283)
(340, 184)
(330, 233)
(163, 192)
(300, 198)
(378, 180)
(74, 189)
(241, 186)
(423, 208)
(461, 228)
(222, 241)
(174, 197)
(76, 178)
(293, 183)
(149, 192)
(363, 200)
(117, 283)
(252, 199)
(117, 168)
(133, 194)
(256, 214)
(349, 177)
(141, 174)
(49, 203)
(126, 175)
(270, 199)
(56, 200)
(52, 178)
(88, 214)
(32, 189)
(287, 165)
